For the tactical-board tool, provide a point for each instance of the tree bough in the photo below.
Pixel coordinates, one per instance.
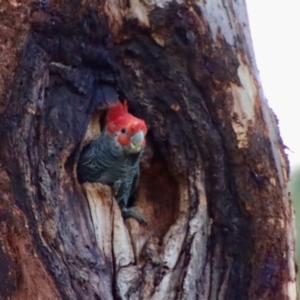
(213, 177)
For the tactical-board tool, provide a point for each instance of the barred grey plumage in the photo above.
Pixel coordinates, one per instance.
(104, 160)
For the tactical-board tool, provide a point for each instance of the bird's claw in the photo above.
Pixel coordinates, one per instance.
(131, 212)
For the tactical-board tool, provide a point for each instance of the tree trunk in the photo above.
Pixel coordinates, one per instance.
(213, 176)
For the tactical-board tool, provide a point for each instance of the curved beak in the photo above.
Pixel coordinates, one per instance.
(137, 141)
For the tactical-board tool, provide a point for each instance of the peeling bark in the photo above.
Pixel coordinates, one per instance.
(213, 176)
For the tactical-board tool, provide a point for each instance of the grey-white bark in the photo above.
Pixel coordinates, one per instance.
(214, 174)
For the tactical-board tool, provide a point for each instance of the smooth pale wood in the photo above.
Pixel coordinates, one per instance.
(214, 172)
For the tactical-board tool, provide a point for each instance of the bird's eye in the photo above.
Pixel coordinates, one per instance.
(123, 130)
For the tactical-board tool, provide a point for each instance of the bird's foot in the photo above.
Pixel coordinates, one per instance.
(131, 212)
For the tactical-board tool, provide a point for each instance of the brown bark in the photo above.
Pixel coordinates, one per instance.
(213, 176)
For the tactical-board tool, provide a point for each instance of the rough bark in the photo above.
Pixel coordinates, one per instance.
(214, 174)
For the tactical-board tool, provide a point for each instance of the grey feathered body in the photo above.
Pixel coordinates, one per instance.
(106, 161)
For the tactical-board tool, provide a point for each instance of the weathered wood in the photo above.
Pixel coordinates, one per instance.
(213, 176)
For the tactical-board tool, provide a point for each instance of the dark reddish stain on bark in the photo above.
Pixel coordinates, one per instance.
(181, 93)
